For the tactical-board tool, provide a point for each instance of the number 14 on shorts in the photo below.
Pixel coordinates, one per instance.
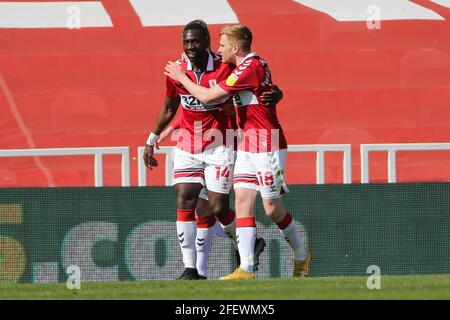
(222, 172)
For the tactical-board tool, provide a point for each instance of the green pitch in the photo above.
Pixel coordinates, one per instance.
(392, 287)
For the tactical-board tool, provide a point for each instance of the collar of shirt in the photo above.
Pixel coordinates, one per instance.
(210, 65)
(250, 55)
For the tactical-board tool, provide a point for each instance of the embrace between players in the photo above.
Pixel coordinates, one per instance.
(228, 103)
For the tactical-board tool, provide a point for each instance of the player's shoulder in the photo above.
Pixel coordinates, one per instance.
(255, 61)
(248, 65)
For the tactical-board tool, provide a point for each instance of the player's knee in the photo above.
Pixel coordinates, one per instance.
(219, 206)
(243, 205)
(271, 213)
(220, 210)
(273, 210)
(186, 199)
(186, 204)
(203, 209)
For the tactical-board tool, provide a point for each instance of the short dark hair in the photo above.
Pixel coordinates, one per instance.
(199, 25)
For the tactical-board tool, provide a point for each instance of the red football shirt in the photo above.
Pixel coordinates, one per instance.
(262, 130)
(176, 124)
(200, 124)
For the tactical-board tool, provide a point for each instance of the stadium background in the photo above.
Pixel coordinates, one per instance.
(342, 83)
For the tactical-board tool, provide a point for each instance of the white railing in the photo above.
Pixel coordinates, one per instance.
(142, 169)
(96, 152)
(320, 150)
(392, 152)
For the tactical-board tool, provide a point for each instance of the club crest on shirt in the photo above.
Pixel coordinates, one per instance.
(212, 83)
(231, 80)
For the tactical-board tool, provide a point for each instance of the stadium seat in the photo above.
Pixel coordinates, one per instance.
(343, 83)
(354, 136)
(434, 105)
(312, 70)
(330, 108)
(34, 118)
(302, 168)
(394, 34)
(367, 69)
(425, 68)
(137, 107)
(75, 177)
(7, 178)
(80, 113)
(347, 36)
(31, 177)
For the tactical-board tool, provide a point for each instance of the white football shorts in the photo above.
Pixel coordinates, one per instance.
(263, 172)
(213, 168)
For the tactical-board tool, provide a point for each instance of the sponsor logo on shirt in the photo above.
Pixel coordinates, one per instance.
(191, 103)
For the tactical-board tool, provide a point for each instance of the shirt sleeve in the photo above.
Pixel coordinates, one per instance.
(243, 77)
(171, 90)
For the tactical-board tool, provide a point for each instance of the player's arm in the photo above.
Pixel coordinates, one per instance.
(204, 95)
(174, 125)
(166, 114)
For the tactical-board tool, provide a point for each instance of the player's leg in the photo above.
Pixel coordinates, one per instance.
(246, 190)
(188, 179)
(246, 234)
(218, 230)
(207, 227)
(203, 209)
(187, 194)
(271, 179)
(205, 232)
(219, 180)
(220, 208)
(286, 224)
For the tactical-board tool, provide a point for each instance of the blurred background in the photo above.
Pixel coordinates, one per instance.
(352, 72)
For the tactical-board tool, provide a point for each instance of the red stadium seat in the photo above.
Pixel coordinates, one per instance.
(433, 102)
(343, 83)
(425, 68)
(8, 178)
(367, 69)
(80, 113)
(347, 36)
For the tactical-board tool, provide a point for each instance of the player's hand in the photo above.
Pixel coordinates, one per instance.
(174, 71)
(272, 97)
(149, 160)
